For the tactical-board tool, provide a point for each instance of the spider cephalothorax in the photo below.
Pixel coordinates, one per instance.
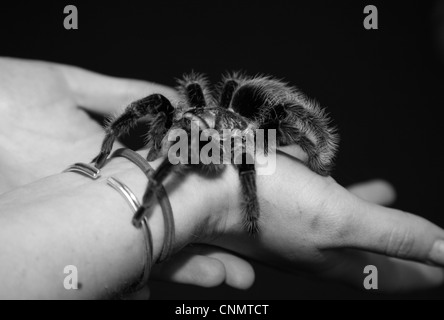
(240, 103)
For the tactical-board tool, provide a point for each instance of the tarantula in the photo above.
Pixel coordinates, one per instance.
(240, 102)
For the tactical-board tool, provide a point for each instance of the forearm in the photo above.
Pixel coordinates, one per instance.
(68, 219)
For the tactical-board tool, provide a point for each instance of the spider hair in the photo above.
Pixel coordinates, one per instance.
(240, 103)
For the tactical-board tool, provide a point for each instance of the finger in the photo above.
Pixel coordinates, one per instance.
(104, 94)
(192, 269)
(376, 191)
(387, 231)
(389, 275)
(239, 273)
(206, 267)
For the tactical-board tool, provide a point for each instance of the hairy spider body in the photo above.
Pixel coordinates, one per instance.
(240, 103)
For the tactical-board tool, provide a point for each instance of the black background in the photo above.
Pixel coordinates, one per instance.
(383, 88)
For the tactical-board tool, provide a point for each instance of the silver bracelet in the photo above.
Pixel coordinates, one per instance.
(94, 173)
(125, 192)
(134, 204)
(85, 169)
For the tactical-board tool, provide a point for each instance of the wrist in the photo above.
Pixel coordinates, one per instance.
(203, 206)
(199, 204)
(68, 219)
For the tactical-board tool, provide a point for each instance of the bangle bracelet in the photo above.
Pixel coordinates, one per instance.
(134, 204)
(94, 173)
(125, 192)
(162, 197)
(84, 169)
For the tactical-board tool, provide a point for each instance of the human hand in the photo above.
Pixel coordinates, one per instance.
(307, 221)
(43, 130)
(311, 224)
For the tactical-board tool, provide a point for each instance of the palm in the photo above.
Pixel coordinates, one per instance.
(41, 129)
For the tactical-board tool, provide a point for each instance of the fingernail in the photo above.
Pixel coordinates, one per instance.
(437, 253)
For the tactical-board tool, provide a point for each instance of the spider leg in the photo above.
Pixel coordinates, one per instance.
(194, 88)
(247, 176)
(244, 162)
(297, 120)
(158, 128)
(164, 170)
(229, 84)
(295, 125)
(158, 111)
(239, 98)
(154, 184)
(288, 135)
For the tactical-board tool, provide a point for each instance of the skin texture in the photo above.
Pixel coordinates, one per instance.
(308, 223)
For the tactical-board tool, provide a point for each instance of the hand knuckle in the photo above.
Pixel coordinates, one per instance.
(400, 242)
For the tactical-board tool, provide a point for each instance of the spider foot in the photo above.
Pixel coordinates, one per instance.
(138, 216)
(251, 224)
(251, 217)
(100, 160)
(147, 204)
